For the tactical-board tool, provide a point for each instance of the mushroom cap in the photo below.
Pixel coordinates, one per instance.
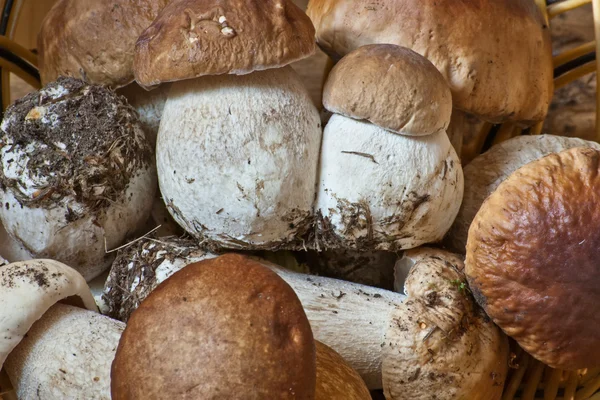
(382, 191)
(495, 55)
(93, 40)
(28, 289)
(192, 38)
(75, 167)
(487, 171)
(438, 341)
(532, 258)
(392, 87)
(67, 354)
(227, 327)
(237, 159)
(336, 379)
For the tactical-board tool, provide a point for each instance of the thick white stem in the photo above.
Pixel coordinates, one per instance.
(67, 354)
(350, 318)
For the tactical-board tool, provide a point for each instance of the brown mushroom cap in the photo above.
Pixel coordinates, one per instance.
(226, 328)
(392, 87)
(533, 258)
(495, 55)
(192, 38)
(93, 40)
(336, 379)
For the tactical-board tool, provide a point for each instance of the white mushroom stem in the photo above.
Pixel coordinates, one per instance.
(28, 289)
(67, 354)
(350, 318)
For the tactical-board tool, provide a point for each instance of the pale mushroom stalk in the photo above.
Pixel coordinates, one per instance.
(53, 351)
(67, 354)
(350, 318)
(77, 175)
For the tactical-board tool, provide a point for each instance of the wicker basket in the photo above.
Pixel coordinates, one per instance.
(528, 379)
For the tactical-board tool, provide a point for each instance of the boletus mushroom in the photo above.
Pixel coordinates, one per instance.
(434, 340)
(486, 172)
(389, 176)
(53, 351)
(238, 143)
(227, 327)
(532, 258)
(495, 55)
(76, 174)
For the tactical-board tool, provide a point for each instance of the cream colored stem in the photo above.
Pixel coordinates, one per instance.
(350, 318)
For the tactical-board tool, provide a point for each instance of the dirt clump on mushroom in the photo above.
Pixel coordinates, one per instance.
(69, 149)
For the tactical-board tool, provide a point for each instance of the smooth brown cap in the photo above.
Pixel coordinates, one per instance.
(533, 258)
(224, 328)
(392, 87)
(336, 379)
(192, 38)
(495, 55)
(93, 40)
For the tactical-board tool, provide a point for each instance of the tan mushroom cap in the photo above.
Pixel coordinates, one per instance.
(392, 87)
(336, 379)
(93, 40)
(192, 38)
(495, 55)
(225, 328)
(532, 258)
(487, 171)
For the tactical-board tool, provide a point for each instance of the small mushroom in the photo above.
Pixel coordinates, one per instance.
(223, 328)
(434, 340)
(77, 174)
(486, 172)
(532, 258)
(499, 73)
(395, 183)
(336, 380)
(238, 147)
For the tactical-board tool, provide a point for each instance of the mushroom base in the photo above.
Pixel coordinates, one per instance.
(383, 191)
(237, 159)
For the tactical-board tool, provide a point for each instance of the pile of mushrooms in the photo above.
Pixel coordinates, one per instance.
(200, 99)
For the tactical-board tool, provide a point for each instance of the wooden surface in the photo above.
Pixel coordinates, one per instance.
(30, 19)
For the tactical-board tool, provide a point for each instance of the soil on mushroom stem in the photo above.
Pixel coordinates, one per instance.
(35, 276)
(87, 146)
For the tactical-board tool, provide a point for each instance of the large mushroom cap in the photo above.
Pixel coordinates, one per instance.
(392, 87)
(495, 55)
(487, 171)
(192, 38)
(223, 328)
(532, 258)
(94, 39)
